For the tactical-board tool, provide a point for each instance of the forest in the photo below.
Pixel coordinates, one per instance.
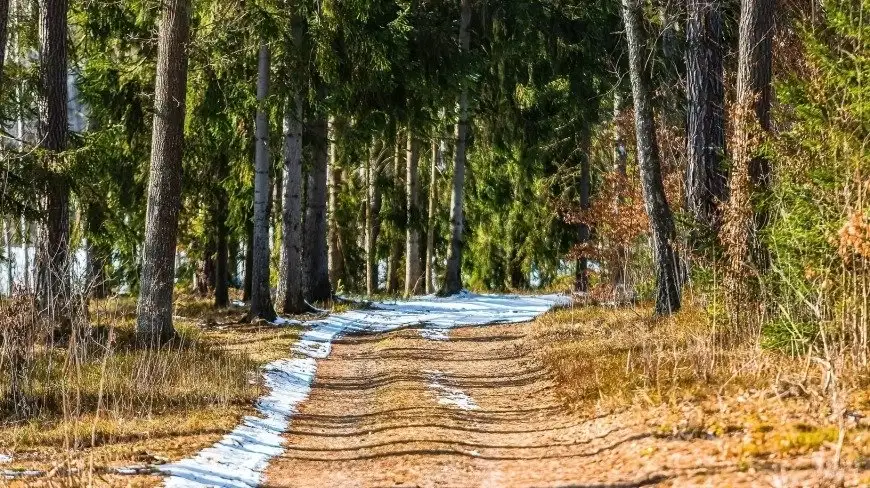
(434, 243)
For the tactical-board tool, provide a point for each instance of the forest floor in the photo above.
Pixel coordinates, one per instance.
(590, 397)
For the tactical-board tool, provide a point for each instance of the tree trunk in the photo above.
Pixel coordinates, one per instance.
(437, 161)
(453, 274)
(97, 254)
(53, 285)
(705, 176)
(620, 157)
(221, 268)
(319, 288)
(261, 297)
(751, 172)
(655, 200)
(4, 34)
(753, 79)
(395, 240)
(290, 286)
(373, 222)
(7, 244)
(247, 280)
(154, 323)
(413, 284)
(335, 261)
(581, 276)
(26, 233)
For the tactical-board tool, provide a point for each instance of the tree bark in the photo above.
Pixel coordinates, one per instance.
(222, 273)
(290, 287)
(657, 208)
(373, 221)
(453, 274)
(7, 244)
(53, 284)
(319, 287)
(154, 323)
(705, 176)
(261, 297)
(247, 279)
(395, 240)
(97, 254)
(26, 233)
(620, 157)
(335, 260)
(413, 284)
(437, 161)
(581, 276)
(754, 61)
(4, 34)
(752, 171)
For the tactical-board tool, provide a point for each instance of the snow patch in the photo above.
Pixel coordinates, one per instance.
(284, 321)
(447, 395)
(435, 334)
(240, 458)
(5, 458)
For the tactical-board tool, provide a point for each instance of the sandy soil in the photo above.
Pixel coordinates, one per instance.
(374, 419)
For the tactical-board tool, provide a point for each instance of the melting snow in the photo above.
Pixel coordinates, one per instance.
(240, 458)
(453, 397)
(435, 334)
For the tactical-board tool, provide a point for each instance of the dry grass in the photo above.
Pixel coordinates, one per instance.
(763, 405)
(105, 402)
(617, 357)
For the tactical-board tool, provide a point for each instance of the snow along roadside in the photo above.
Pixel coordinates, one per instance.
(240, 458)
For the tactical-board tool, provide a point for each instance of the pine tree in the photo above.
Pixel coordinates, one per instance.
(705, 176)
(261, 298)
(53, 283)
(656, 203)
(154, 323)
(453, 274)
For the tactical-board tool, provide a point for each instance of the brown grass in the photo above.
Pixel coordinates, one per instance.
(678, 375)
(106, 402)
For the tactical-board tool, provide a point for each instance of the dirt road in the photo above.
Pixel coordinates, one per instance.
(400, 409)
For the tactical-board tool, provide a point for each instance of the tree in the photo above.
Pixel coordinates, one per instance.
(154, 322)
(413, 285)
(4, 33)
(395, 256)
(261, 298)
(437, 161)
(581, 277)
(373, 221)
(751, 173)
(334, 173)
(290, 286)
(220, 228)
(453, 274)
(656, 203)
(316, 253)
(705, 176)
(53, 283)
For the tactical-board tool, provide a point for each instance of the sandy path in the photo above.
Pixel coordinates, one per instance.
(374, 418)
(377, 417)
